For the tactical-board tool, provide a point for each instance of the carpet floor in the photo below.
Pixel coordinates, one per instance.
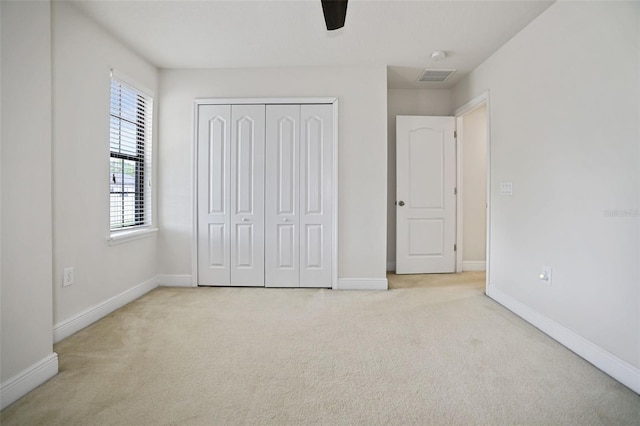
(432, 350)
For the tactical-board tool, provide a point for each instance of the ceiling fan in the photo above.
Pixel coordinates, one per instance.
(335, 12)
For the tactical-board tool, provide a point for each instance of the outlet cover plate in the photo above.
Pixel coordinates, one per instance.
(67, 277)
(546, 275)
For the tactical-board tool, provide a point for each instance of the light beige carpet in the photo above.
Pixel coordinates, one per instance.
(433, 350)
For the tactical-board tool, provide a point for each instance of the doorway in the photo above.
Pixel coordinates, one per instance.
(473, 240)
(474, 185)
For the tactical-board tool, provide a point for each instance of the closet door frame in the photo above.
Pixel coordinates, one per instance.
(264, 101)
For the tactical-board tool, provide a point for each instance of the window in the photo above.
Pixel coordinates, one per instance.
(130, 156)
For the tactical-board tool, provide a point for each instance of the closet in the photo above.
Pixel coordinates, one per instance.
(265, 195)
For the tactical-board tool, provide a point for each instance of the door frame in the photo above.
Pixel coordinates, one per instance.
(472, 105)
(263, 101)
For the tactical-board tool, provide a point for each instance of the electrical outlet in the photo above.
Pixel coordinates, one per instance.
(67, 277)
(545, 276)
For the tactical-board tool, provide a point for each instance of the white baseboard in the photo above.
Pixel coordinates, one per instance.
(87, 317)
(362, 284)
(391, 266)
(28, 379)
(474, 265)
(622, 371)
(175, 281)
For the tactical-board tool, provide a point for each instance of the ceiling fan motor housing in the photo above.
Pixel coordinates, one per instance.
(335, 13)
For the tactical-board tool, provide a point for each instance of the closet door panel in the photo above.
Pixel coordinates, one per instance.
(282, 200)
(214, 135)
(316, 159)
(247, 195)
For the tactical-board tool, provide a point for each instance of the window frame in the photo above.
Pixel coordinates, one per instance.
(142, 160)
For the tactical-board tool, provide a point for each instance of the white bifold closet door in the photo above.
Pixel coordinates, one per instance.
(298, 196)
(247, 195)
(231, 195)
(265, 195)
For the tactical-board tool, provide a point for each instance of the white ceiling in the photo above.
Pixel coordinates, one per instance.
(273, 33)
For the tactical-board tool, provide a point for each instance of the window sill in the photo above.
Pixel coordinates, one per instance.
(120, 237)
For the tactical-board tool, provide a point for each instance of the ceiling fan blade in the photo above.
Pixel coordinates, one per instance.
(335, 12)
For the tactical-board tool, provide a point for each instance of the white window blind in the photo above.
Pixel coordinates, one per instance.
(131, 114)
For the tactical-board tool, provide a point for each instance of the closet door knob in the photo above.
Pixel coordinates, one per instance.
(245, 219)
(401, 203)
(285, 220)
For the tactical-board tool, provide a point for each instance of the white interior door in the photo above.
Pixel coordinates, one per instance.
(316, 195)
(214, 207)
(282, 215)
(247, 195)
(425, 195)
(299, 198)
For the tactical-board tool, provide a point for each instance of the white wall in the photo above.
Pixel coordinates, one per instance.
(83, 56)
(474, 187)
(638, 262)
(406, 102)
(26, 322)
(564, 129)
(362, 154)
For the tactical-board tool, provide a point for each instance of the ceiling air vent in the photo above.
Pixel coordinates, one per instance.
(435, 75)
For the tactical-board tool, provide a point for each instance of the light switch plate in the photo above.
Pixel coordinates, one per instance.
(506, 188)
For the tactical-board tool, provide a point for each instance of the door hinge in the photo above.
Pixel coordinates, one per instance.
(455, 247)
(455, 134)
(455, 191)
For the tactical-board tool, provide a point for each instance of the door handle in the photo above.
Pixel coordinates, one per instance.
(285, 220)
(401, 203)
(245, 219)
